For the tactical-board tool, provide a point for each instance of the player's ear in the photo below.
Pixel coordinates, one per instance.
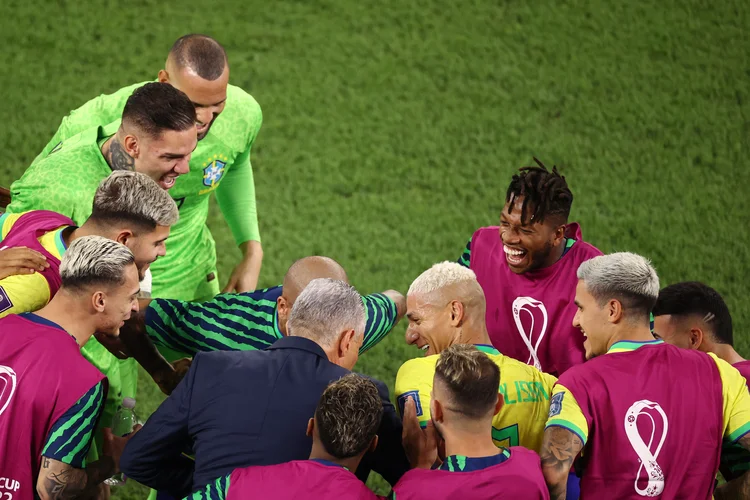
(124, 236)
(499, 403)
(346, 340)
(373, 443)
(310, 427)
(457, 313)
(98, 301)
(696, 338)
(163, 76)
(559, 233)
(615, 311)
(131, 146)
(436, 410)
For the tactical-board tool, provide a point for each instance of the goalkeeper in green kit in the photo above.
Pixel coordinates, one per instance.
(228, 121)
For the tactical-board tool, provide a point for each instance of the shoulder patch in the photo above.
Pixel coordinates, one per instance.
(402, 402)
(5, 302)
(555, 404)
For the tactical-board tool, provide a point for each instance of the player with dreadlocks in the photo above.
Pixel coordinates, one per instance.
(527, 269)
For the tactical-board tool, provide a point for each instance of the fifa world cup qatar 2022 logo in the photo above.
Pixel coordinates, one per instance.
(531, 318)
(7, 386)
(644, 421)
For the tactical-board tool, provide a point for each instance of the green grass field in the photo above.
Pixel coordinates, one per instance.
(391, 131)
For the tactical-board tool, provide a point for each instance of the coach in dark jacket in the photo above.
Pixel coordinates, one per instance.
(236, 409)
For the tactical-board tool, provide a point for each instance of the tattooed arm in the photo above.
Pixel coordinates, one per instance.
(740, 487)
(558, 452)
(60, 481)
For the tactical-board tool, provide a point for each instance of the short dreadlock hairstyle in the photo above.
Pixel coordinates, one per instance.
(692, 298)
(545, 194)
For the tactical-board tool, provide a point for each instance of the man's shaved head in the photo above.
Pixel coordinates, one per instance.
(200, 53)
(303, 271)
(299, 275)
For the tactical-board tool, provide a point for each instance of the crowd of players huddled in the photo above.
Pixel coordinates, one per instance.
(549, 369)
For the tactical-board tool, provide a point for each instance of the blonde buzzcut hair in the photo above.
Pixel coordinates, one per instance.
(440, 276)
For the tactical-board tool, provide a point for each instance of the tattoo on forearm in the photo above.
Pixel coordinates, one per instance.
(558, 452)
(62, 482)
(119, 159)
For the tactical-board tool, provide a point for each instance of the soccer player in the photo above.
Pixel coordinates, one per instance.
(254, 320)
(155, 136)
(527, 266)
(647, 415)
(229, 120)
(51, 397)
(692, 315)
(343, 429)
(128, 207)
(445, 307)
(465, 399)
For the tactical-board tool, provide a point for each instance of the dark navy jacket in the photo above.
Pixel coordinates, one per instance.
(236, 409)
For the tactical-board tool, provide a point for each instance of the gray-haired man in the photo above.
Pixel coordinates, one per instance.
(237, 409)
(651, 416)
(51, 398)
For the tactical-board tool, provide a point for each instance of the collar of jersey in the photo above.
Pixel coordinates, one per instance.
(487, 349)
(328, 463)
(629, 345)
(460, 463)
(59, 242)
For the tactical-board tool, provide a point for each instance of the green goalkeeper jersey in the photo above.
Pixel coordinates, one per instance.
(220, 163)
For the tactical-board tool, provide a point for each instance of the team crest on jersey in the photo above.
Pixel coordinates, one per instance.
(415, 396)
(213, 171)
(5, 302)
(7, 386)
(555, 404)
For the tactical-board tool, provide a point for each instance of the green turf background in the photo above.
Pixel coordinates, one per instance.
(391, 129)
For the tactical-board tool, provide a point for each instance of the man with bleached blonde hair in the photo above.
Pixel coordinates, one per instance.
(464, 401)
(445, 307)
(52, 397)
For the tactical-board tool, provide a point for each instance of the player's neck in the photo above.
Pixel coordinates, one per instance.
(116, 156)
(727, 353)
(468, 443)
(632, 334)
(319, 453)
(87, 229)
(65, 311)
(475, 335)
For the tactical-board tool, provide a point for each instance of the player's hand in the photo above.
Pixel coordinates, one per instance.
(21, 260)
(168, 379)
(114, 345)
(244, 277)
(420, 445)
(113, 446)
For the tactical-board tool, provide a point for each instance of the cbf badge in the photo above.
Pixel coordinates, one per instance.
(555, 404)
(214, 170)
(401, 400)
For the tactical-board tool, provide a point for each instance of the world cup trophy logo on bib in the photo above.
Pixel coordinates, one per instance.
(644, 421)
(7, 386)
(530, 316)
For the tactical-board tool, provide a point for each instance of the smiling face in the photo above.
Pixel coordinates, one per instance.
(530, 245)
(430, 327)
(208, 96)
(165, 157)
(592, 319)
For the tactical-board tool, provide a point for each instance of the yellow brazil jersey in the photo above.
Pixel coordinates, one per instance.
(526, 396)
(568, 414)
(28, 292)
